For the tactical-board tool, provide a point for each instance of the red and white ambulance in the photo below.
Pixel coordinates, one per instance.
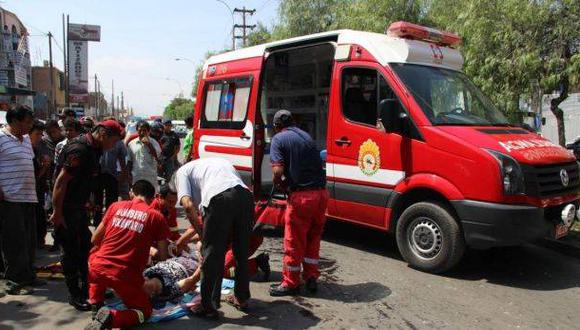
(411, 145)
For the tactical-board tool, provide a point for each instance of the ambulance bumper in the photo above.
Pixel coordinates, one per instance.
(487, 225)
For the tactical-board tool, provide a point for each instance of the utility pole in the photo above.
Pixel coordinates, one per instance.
(96, 99)
(67, 71)
(52, 104)
(122, 102)
(119, 109)
(65, 63)
(99, 103)
(244, 35)
(113, 98)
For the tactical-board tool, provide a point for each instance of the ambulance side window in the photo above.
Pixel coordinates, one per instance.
(367, 97)
(359, 95)
(226, 103)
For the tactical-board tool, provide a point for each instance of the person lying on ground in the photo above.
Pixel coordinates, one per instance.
(170, 279)
(119, 257)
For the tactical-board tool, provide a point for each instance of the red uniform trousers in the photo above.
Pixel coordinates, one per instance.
(305, 218)
(130, 291)
(230, 264)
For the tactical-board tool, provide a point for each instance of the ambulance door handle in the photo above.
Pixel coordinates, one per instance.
(244, 136)
(342, 141)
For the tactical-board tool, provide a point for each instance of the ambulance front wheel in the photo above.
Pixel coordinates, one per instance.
(429, 237)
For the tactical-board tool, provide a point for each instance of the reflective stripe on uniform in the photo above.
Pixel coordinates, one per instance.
(140, 315)
(311, 261)
(293, 268)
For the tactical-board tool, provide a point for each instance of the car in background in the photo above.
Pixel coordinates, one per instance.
(179, 128)
(575, 147)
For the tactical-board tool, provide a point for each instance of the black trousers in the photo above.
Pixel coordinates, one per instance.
(228, 216)
(108, 188)
(75, 240)
(18, 240)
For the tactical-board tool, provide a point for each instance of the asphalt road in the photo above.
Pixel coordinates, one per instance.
(365, 284)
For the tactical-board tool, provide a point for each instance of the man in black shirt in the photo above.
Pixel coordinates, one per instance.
(170, 146)
(77, 169)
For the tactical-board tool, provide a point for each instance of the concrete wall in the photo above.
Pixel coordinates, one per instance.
(571, 109)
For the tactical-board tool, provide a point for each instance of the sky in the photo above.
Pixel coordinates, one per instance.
(139, 41)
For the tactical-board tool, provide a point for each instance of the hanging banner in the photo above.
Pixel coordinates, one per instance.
(84, 32)
(78, 71)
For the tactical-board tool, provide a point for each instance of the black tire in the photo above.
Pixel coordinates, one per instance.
(429, 237)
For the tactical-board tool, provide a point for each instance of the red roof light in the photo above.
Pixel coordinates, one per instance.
(413, 31)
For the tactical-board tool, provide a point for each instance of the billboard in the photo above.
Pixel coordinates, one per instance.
(78, 71)
(84, 32)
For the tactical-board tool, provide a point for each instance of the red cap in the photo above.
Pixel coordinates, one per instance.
(113, 125)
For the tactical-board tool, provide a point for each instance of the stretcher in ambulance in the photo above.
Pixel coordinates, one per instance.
(411, 145)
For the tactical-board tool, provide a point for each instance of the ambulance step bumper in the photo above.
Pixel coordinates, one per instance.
(487, 225)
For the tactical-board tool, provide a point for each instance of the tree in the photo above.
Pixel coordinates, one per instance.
(179, 108)
(259, 36)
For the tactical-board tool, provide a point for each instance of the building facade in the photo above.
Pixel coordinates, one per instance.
(41, 84)
(15, 68)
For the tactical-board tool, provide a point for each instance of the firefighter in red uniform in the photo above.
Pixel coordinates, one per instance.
(297, 166)
(120, 255)
(165, 203)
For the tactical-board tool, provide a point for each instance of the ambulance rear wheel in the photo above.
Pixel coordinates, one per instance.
(429, 238)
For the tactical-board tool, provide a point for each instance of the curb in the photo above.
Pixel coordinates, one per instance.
(569, 245)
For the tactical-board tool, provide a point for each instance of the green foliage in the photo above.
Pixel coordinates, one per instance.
(179, 108)
(260, 35)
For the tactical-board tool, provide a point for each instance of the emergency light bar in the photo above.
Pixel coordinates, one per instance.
(413, 31)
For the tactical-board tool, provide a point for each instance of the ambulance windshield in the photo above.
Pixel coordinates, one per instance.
(448, 97)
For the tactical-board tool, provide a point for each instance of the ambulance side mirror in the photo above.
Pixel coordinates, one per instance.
(393, 119)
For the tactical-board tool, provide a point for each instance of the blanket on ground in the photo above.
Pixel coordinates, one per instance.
(167, 311)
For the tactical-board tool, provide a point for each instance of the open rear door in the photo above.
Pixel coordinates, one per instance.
(225, 115)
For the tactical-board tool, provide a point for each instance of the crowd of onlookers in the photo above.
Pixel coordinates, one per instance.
(71, 172)
(29, 154)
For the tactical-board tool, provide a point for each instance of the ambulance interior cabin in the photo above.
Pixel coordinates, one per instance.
(297, 80)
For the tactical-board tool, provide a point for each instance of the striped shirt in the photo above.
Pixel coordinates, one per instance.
(17, 169)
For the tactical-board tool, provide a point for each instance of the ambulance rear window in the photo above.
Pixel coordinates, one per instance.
(226, 103)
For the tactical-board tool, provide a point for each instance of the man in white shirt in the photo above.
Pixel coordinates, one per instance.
(143, 156)
(213, 187)
(18, 201)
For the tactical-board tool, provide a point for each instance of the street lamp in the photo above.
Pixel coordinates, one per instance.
(233, 24)
(184, 59)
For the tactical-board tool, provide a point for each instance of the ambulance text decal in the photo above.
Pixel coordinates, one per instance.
(369, 157)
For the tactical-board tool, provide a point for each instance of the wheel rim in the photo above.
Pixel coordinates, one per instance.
(425, 238)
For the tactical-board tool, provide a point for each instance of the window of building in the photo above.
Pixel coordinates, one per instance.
(226, 103)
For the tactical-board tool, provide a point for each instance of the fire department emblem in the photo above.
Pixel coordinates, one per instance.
(369, 158)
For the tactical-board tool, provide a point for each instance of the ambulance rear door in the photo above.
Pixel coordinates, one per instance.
(225, 114)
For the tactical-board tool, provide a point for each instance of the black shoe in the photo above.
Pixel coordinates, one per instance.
(102, 320)
(311, 285)
(263, 261)
(79, 303)
(109, 294)
(282, 290)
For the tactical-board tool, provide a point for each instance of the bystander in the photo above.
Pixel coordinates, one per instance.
(18, 201)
